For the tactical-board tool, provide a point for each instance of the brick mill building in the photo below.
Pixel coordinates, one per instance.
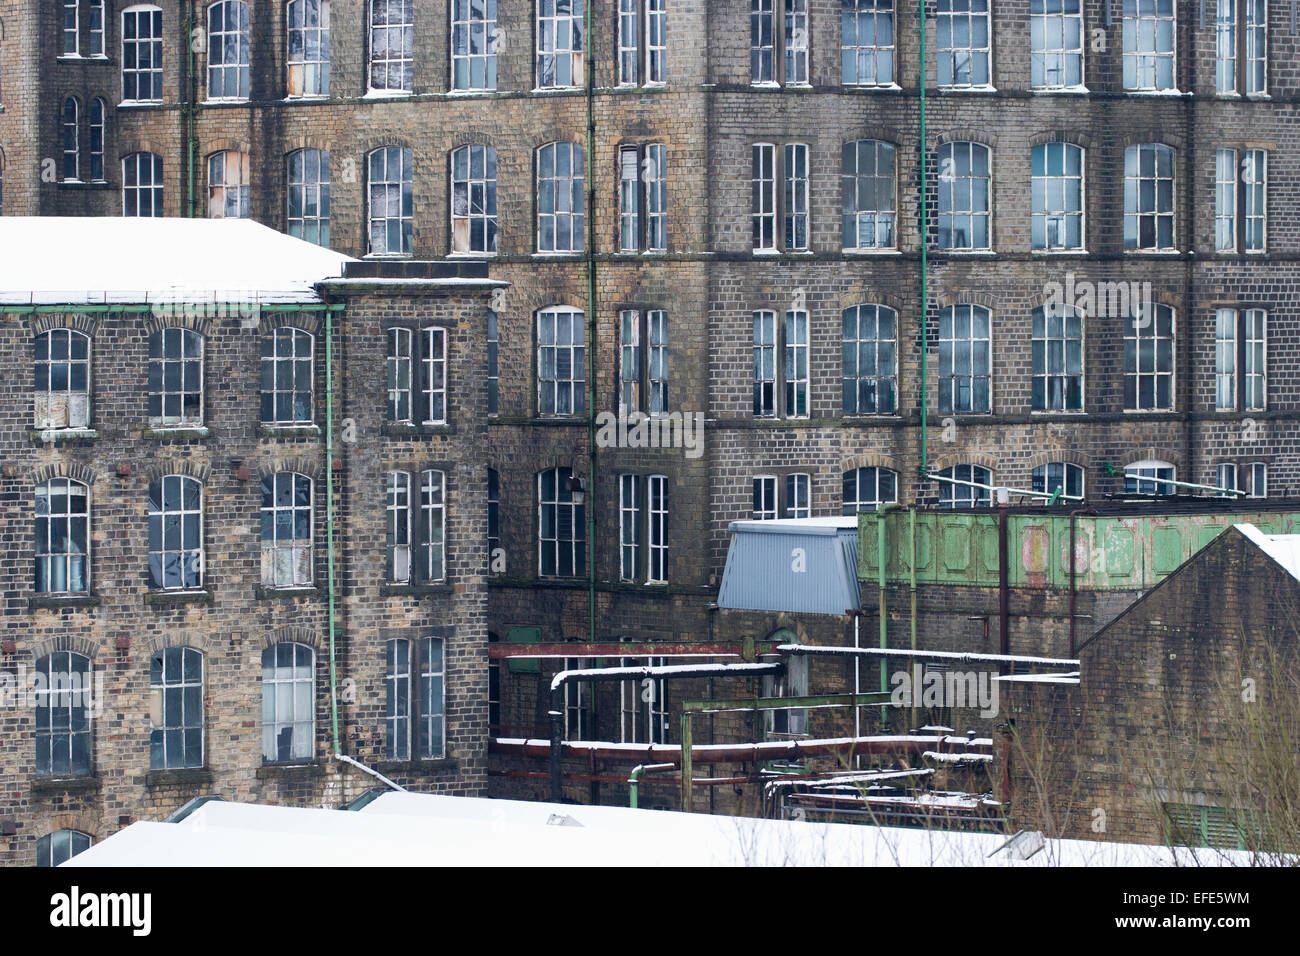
(729, 210)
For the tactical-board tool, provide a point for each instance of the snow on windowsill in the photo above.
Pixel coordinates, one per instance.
(1068, 90)
(387, 94)
(967, 89)
(1157, 93)
(871, 252)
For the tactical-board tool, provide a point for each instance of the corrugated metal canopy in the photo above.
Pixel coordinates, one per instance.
(803, 565)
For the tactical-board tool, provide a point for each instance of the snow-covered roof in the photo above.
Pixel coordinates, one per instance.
(1282, 548)
(128, 261)
(401, 829)
(823, 525)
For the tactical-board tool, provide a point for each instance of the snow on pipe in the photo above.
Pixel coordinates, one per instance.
(374, 773)
(935, 655)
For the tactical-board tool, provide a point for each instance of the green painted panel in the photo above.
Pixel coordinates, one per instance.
(955, 542)
(1166, 550)
(1118, 551)
(524, 635)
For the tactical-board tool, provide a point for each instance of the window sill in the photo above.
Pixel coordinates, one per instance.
(415, 590)
(1061, 91)
(411, 430)
(180, 433)
(186, 777)
(60, 601)
(303, 768)
(138, 104)
(871, 252)
(263, 593)
(967, 89)
(1156, 93)
(83, 783)
(166, 598)
(62, 436)
(288, 431)
(1059, 252)
(870, 87)
(415, 767)
(226, 101)
(1151, 252)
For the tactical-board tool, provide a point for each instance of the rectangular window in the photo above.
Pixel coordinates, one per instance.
(765, 507)
(657, 516)
(1254, 180)
(965, 196)
(308, 23)
(399, 375)
(577, 701)
(399, 526)
(1148, 197)
(763, 205)
(493, 365)
(643, 362)
(795, 195)
(176, 709)
(1240, 200)
(965, 33)
(142, 185)
(1057, 348)
(762, 41)
(795, 36)
(474, 200)
(423, 697)
(175, 379)
(392, 46)
(867, 42)
(474, 39)
(431, 534)
(798, 496)
(71, 28)
(768, 34)
(309, 196)
(794, 366)
(1225, 477)
(1240, 343)
(494, 522)
(97, 112)
(965, 356)
(869, 360)
(561, 198)
(287, 530)
(1241, 46)
(433, 375)
(288, 703)
(1225, 46)
(643, 705)
(63, 714)
(1149, 360)
(561, 362)
(1257, 480)
(287, 369)
(229, 191)
(1225, 200)
(62, 365)
(228, 50)
(560, 62)
(391, 203)
(764, 364)
(142, 51)
(629, 527)
(562, 520)
(867, 195)
(642, 42)
(95, 46)
(1055, 44)
(175, 533)
(1148, 38)
(793, 683)
(62, 537)
(1057, 187)
(642, 199)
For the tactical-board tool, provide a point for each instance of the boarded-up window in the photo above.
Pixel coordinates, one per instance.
(62, 379)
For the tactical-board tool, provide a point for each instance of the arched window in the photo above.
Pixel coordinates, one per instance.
(287, 368)
(964, 496)
(175, 533)
(865, 488)
(287, 526)
(869, 372)
(965, 196)
(71, 118)
(288, 703)
(60, 846)
(474, 199)
(142, 55)
(1059, 476)
(63, 700)
(1148, 477)
(228, 50)
(309, 196)
(176, 709)
(308, 23)
(142, 185)
(868, 200)
(175, 378)
(62, 537)
(561, 185)
(62, 379)
(98, 111)
(391, 201)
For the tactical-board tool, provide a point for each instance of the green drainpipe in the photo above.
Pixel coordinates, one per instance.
(882, 557)
(591, 328)
(925, 287)
(329, 517)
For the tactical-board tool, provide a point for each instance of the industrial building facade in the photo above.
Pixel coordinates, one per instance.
(1085, 266)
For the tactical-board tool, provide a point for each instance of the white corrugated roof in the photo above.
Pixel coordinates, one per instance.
(408, 829)
(1282, 548)
(54, 260)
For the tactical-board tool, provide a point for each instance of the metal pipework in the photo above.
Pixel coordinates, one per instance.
(1019, 492)
(634, 778)
(556, 712)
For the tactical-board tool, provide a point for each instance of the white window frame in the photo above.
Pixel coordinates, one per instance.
(657, 523)
(1050, 191)
(57, 537)
(69, 717)
(152, 44)
(643, 362)
(1135, 211)
(1143, 57)
(473, 206)
(765, 370)
(474, 42)
(297, 570)
(1070, 476)
(98, 128)
(796, 374)
(71, 128)
(636, 712)
(875, 53)
(558, 60)
(303, 350)
(1042, 339)
(879, 480)
(791, 722)
(190, 373)
(571, 210)
(403, 63)
(763, 190)
(951, 53)
(222, 75)
(229, 184)
(430, 540)
(71, 29)
(860, 213)
(973, 343)
(397, 510)
(964, 496)
(312, 222)
(766, 507)
(1050, 50)
(193, 567)
(552, 387)
(959, 178)
(306, 77)
(854, 347)
(433, 374)
(1148, 475)
(1134, 337)
(302, 699)
(383, 185)
(53, 362)
(1241, 360)
(400, 366)
(96, 30)
(629, 527)
(797, 502)
(132, 167)
(576, 545)
(171, 659)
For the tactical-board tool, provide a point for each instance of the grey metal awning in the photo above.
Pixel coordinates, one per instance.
(799, 565)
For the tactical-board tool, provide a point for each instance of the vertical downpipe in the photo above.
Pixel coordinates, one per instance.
(329, 516)
(191, 108)
(925, 281)
(591, 322)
